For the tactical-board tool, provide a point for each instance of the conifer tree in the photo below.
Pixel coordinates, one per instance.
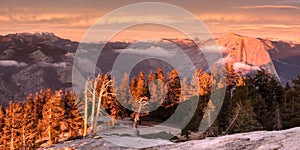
(185, 90)
(291, 106)
(244, 118)
(208, 112)
(13, 126)
(207, 122)
(141, 88)
(161, 85)
(194, 91)
(133, 85)
(74, 119)
(123, 92)
(272, 94)
(174, 89)
(156, 90)
(2, 123)
(37, 112)
(38, 105)
(29, 126)
(2, 116)
(54, 117)
(160, 75)
(7, 143)
(205, 82)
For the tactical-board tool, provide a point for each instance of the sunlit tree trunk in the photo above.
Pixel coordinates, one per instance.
(102, 93)
(93, 106)
(85, 111)
(12, 133)
(23, 136)
(49, 128)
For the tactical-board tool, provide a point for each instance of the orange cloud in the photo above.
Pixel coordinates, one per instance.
(270, 7)
(249, 18)
(4, 19)
(229, 17)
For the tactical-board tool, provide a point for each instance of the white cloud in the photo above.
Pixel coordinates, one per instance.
(244, 68)
(9, 63)
(213, 48)
(60, 64)
(151, 51)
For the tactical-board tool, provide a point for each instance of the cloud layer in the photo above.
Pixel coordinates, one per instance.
(279, 18)
(12, 63)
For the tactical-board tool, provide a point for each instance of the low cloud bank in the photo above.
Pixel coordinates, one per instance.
(10, 63)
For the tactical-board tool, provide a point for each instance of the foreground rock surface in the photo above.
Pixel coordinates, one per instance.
(261, 140)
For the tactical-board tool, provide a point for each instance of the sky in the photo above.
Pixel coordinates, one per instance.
(276, 19)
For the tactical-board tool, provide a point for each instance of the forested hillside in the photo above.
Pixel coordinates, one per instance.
(253, 103)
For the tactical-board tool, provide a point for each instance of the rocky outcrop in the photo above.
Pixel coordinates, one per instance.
(260, 140)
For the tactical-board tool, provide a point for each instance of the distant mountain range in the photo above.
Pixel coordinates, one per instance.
(30, 62)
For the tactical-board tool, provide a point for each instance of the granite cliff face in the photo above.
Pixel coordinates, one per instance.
(248, 50)
(246, 53)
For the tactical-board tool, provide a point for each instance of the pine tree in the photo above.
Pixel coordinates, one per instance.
(156, 90)
(123, 92)
(195, 89)
(205, 82)
(38, 105)
(244, 118)
(54, 117)
(2, 123)
(208, 112)
(291, 105)
(29, 131)
(272, 94)
(141, 88)
(37, 112)
(174, 89)
(133, 85)
(185, 90)
(160, 75)
(13, 127)
(8, 128)
(277, 118)
(2, 116)
(161, 85)
(74, 119)
(208, 123)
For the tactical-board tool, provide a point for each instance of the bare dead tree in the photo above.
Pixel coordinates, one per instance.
(102, 93)
(141, 104)
(237, 112)
(92, 94)
(85, 109)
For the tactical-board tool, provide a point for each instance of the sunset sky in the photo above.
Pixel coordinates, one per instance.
(71, 18)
